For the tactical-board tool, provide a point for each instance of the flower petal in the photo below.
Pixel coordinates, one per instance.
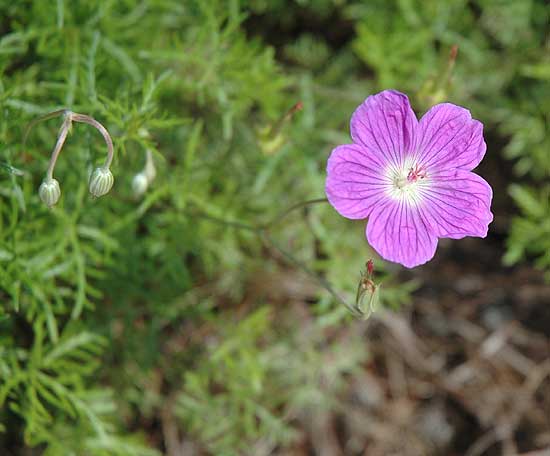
(385, 125)
(457, 203)
(448, 138)
(354, 181)
(398, 232)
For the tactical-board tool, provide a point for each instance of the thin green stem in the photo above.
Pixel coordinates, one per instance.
(230, 223)
(262, 232)
(69, 117)
(292, 208)
(319, 279)
(276, 128)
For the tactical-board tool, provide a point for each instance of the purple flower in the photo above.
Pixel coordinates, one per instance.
(411, 178)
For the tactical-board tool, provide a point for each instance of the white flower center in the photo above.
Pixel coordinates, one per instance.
(407, 181)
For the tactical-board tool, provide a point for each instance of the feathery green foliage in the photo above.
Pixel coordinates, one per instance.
(121, 315)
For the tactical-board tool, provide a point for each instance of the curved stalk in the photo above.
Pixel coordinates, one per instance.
(69, 117)
(63, 132)
(94, 123)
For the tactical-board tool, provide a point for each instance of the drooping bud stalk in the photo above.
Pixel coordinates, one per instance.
(150, 171)
(94, 123)
(368, 292)
(143, 179)
(101, 181)
(49, 192)
(63, 132)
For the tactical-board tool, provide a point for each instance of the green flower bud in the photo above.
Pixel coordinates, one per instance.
(368, 292)
(101, 182)
(368, 299)
(49, 192)
(150, 171)
(140, 184)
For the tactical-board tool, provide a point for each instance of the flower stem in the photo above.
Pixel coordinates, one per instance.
(94, 123)
(276, 128)
(230, 223)
(262, 232)
(63, 132)
(283, 214)
(68, 118)
(319, 279)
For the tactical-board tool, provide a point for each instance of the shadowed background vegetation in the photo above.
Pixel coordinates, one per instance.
(168, 324)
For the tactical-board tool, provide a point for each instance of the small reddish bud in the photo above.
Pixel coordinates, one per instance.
(272, 138)
(298, 106)
(293, 110)
(370, 267)
(453, 53)
(368, 292)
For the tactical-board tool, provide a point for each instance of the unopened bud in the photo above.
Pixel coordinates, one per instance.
(370, 268)
(270, 143)
(271, 137)
(49, 192)
(297, 107)
(150, 171)
(140, 184)
(453, 53)
(436, 89)
(101, 182)
(368, 292)
(367, 298)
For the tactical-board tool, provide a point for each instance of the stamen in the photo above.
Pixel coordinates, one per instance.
(416, 173)
(406, 182)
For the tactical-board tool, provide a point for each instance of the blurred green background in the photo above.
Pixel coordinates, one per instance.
(159, 324)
